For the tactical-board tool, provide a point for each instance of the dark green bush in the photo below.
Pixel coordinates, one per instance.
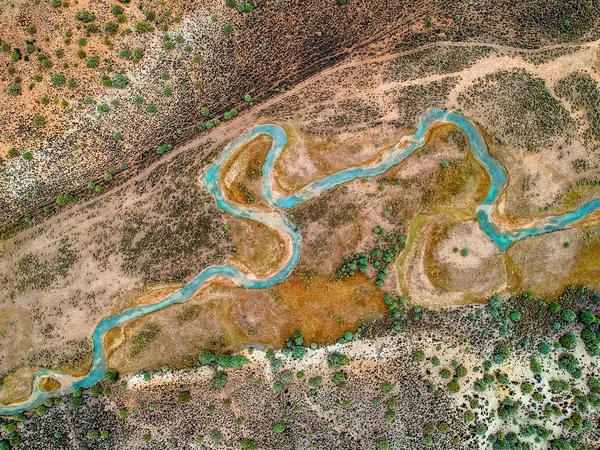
(219, 380)
(336, 360)
(120, 81)
(85, 16)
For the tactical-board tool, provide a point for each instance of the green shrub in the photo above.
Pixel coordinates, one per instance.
(526, 388)
(143, 27)
(336, 360)
(382, 444)
(558, 386)
(14, 89)
(75, 402)
(502, 378)
(85, 16)
(387, 387)
(453, 387)
(461, 371)
(16, 55)
(219, 380)
(587, 317)
(111, 27)
(418, 355)
(590, 340)
(495, 302)
(162, 149)
(339, 377)
(207, 357)
(92, 62)
(120, 81)
(248, 444)
(298, 351)
(138, 52)
(535, 366)
(392, 404)
(95, 390)
(111, 376)
(508, 409)
(232, 361)
(58, 79)
(480, 386)
(594, 384)
(63, 199)
(568, 315)
(568, 341)
(93, 435)
(315, 381)
(287, 377)
(570, 363)
(544, 348)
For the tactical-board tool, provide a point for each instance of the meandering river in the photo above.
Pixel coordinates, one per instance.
(276, 220)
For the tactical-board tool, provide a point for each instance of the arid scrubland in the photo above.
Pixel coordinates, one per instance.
(111, 112)
(492, 375)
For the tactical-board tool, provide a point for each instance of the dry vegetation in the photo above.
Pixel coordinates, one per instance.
(347, 81)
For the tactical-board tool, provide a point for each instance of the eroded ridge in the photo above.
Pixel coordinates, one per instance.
(276, 220)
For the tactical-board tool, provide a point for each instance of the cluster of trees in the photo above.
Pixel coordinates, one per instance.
(360, 260)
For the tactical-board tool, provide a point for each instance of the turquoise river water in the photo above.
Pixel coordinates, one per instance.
(275, 219)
